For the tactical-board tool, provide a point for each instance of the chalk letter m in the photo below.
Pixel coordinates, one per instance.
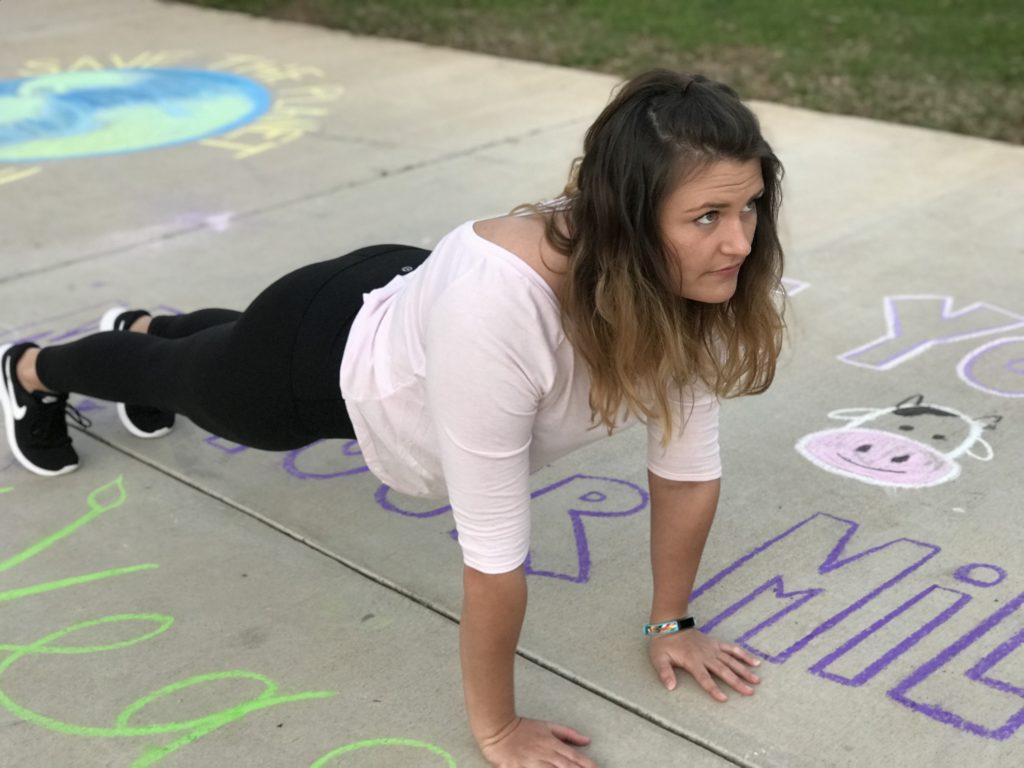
(840, 583)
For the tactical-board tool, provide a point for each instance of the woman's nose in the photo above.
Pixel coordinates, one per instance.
(737, 238)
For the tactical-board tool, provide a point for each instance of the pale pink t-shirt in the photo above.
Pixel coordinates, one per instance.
(460, 383)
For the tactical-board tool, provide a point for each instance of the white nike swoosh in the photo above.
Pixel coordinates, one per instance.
(17, 410)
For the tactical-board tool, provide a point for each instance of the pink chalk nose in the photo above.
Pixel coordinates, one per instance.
(877, 457)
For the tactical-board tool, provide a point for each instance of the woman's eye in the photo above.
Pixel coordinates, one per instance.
(750, 207)
(708, 218)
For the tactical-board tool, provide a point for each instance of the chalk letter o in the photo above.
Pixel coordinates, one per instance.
(996, 368)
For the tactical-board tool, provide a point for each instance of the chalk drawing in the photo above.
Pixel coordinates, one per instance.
(193, 729)
(925, 612)
(218, 222)
(561, 549)
(876, 446)
(577, 497)
(222, 444)
(916, 323)
(378, 743)
(787, 594)
(868, 573)
(11, 175)
(969, 574)
(99, 502)
(791, 286)
(384, 496)
(102, 500)
(143, 60)
(106, 112)
(322, 452)
(8, 489)
(996, 367)
(944, 708)
(91, 106)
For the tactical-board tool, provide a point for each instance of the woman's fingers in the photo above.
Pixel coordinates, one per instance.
(730, 678)
(538, 743)
(742, 654)
(721, 668)
(705, 681)
(712, 664)
(576, 760)
(740, 669)
(569, 735)
(666, 672)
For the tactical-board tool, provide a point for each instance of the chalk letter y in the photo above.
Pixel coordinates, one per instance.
(917, 323)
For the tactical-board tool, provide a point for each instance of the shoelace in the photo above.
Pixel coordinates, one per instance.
(76, 416)
(51, 424)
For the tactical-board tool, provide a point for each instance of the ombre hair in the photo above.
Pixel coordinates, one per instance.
(641, 341)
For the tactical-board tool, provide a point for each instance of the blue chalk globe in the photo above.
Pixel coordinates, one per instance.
(113, 111)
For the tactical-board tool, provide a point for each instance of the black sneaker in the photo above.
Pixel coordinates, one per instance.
(141, 420)
(36, 429)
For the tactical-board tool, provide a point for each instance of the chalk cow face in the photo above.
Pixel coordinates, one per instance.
(911, 445)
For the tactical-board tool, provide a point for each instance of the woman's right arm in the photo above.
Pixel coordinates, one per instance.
(486, 375)
(492, 616)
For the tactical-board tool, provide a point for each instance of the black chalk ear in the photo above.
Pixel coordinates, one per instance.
(912, 400)
(989, 422)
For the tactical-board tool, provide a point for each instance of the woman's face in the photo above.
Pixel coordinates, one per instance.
(708, 224)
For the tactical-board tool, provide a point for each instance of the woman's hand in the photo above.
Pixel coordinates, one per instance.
(528, 743)
(705, 658)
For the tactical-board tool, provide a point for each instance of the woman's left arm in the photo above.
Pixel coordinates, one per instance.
(681, 517)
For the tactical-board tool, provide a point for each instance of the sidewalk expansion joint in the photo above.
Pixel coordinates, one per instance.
(434, 608)
(385, 173)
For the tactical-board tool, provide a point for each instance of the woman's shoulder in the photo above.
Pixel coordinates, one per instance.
(481, 288)
(523, 236)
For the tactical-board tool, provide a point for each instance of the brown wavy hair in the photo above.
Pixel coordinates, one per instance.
(620, 309)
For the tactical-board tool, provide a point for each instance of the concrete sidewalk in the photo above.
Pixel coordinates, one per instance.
(188, 602)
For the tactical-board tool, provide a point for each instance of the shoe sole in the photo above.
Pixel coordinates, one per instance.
(8, 409)
(107, 324)
(122, 414)
(110, 317)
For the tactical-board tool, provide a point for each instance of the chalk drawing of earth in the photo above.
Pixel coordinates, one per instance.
(105, 112)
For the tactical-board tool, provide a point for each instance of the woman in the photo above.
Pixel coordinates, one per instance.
(647, 292)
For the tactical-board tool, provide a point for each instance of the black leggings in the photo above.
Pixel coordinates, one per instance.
(266, 378)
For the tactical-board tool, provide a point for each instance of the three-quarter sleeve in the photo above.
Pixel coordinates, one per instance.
(692, 454)
(483, 390)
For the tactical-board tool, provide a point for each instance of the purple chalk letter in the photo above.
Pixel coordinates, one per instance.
(996, 368)
(917, 323)
(976, 700)
(816, 590)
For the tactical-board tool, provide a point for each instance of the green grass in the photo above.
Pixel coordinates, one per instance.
(956, 65)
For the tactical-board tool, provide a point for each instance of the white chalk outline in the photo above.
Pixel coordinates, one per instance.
(791, 286)
(860, 415)
(947, 314)
(961, 368)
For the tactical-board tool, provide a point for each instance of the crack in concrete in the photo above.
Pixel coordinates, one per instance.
(434, 608)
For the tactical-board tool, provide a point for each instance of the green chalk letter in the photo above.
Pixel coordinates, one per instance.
(116, 496)
(449, 761)
(194, 729)
(100, 501)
